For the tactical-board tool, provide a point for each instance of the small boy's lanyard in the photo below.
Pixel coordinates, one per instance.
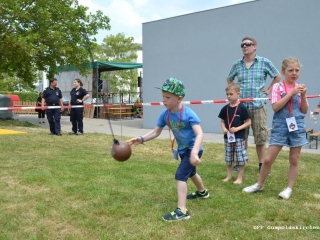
(168, 119)
(291, 99)
(234, 114)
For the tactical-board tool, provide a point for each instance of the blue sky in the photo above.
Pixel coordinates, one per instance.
(127, 16)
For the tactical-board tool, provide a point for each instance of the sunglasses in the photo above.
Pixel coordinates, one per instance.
(247, 44)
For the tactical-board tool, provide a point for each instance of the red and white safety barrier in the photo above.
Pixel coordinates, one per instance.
(143, 104)
(213, 101)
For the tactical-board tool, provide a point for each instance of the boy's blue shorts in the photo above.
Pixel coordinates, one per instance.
(186, 169)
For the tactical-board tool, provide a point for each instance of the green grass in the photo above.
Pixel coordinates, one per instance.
(69, 187)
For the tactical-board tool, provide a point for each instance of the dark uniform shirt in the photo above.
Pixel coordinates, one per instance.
(77, 94)
(52, 96)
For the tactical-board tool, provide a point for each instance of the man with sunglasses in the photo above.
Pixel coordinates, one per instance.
(252, 71)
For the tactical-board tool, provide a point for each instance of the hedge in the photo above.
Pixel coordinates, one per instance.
(24, 96)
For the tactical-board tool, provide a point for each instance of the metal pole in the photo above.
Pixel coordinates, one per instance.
(140, 88)
(97, 87)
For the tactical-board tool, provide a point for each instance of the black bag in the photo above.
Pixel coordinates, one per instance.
(37, 110)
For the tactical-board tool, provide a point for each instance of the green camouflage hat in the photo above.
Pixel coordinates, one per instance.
(174, 86)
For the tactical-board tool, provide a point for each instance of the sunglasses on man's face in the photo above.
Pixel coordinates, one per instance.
(247, 44)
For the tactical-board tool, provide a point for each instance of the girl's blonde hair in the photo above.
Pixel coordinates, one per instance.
(289, 60)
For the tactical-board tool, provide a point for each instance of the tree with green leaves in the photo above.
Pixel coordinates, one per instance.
(119, 48)
(13, 84)
(37, 34)
(8, 84)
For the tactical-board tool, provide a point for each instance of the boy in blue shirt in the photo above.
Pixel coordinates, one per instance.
(185, 126)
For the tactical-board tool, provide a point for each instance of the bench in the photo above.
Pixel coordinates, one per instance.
(314, 137)
(115, 111)
(115, 115)
(308, 130)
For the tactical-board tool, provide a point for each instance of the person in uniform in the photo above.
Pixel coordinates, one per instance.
(78, 96)
(52, 96)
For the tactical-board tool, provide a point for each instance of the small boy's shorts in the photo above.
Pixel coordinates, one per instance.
(186, 169)
(238, 147)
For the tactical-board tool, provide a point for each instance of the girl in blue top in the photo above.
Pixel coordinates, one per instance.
(290, 105)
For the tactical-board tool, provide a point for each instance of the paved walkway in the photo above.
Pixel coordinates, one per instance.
(129, 128)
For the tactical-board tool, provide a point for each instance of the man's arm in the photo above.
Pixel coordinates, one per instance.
(232, 74)
(275, 80)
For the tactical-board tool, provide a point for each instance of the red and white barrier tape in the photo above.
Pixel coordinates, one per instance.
(143, 104)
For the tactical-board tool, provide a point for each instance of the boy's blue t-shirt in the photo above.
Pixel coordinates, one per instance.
(242, 114)
(185, 135)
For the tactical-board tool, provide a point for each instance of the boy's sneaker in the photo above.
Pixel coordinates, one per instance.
(71, 133)
(79, 133)
(176, 215)
(198, 194)
(235, 168)
(252, 189)
(286, 193)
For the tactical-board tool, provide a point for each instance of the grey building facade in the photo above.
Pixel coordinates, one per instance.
(199, 49)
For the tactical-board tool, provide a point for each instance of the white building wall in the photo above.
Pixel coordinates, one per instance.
(200, 48)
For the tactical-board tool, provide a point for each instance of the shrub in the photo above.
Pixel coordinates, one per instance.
(24, 96)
